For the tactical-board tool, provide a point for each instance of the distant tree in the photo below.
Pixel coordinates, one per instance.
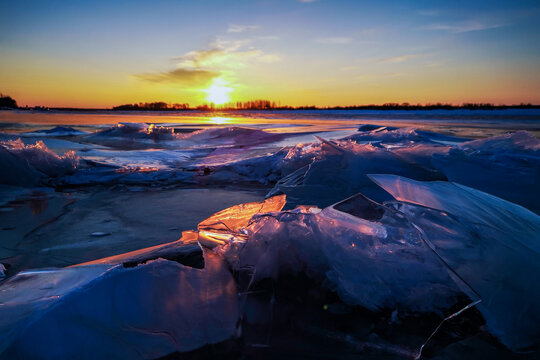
(7, 102)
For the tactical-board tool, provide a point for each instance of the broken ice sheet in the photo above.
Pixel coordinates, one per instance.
(507, 166)
(492, 245)
(379, 262)
(339, 169)
(146, 311)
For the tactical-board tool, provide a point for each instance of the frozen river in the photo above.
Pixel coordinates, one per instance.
(447, 217)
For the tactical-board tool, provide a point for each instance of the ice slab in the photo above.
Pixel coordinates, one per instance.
(146, 311)
(491, 244)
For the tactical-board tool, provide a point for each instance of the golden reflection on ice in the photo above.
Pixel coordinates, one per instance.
(225, 226)
(220, 120)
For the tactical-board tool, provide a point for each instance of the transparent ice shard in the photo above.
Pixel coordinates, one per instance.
(369, 254)
(227, 225)
(491, 246)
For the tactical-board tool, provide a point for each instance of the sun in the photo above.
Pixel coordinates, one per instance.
(218, 92)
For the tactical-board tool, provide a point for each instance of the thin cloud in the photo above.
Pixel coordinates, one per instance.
(398, 59)
(334, 40)
(198, 67)
(242, 28)
(307, 1)
(268, 37)
(464, 26)
(181, 76)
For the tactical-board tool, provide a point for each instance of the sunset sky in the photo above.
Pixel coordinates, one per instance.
(320, 52)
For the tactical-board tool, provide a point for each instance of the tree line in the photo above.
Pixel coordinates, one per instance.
(7, 102)
(272, 105)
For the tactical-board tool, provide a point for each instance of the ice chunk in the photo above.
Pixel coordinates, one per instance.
(492, 245)
(518, 141)
(3, 271)
(146, 311)
(226, 224)
(507, 166)
(39, 157)
(377, 262)
(20, 173)
(339, 170)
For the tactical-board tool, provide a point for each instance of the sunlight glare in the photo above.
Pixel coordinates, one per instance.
(219, 120)
(219, 92)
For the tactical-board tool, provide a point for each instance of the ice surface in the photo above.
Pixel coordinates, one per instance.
(110, 311)
(491, 244)
(140, 136)
(414, 256)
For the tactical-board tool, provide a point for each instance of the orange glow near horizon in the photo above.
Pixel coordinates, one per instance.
(84, 56)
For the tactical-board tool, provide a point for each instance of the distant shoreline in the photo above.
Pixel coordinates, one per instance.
(301, 108)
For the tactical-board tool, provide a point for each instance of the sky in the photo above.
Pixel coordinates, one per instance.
(98, 54)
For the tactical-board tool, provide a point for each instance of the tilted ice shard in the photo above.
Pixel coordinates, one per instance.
(492, 245)
(186, 251)
(109, 311)
(226, 225)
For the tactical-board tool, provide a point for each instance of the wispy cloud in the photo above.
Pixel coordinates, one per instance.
(181, 76)
(307, 1)
(398, 59)
(334, 40)
(464, 26)
(233, 28)
(198, 67)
